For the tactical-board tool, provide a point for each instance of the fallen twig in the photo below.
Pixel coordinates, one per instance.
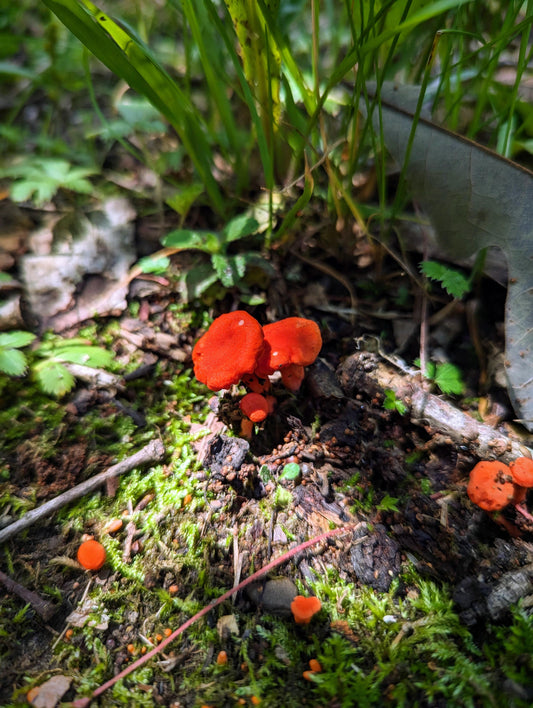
(428, 409)
(153, 452)
(84, 702)
(43, 608)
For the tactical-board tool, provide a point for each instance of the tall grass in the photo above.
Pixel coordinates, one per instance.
(281, 83)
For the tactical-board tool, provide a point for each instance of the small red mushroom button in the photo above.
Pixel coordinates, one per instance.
(228, 350)
(254, 406)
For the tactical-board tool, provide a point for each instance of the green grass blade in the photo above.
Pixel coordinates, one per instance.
(262, 141)
(127, 57)
(210, 57)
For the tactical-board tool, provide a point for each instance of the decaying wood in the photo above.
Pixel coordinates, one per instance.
(427, 409)
(151, 453)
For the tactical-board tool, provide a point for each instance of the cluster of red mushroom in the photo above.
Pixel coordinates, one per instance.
(494, 485)
(237, 349)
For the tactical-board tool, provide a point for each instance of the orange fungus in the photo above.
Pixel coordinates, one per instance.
(293, 340)
(254, 406)
(303, 608)
(522, 471)
(491, 486)
(91, 555)
(228, 350)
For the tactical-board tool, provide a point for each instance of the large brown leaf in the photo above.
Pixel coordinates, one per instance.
(474, 198)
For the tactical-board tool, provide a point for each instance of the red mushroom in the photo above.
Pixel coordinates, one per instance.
(491, 486)
(254, 406)
(228, 350)
(522, 471)
(303, 608)
(522, 474)
(292, 376)
(293, 342)
(91, 555)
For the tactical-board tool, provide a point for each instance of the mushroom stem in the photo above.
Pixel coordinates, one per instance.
(525, 513)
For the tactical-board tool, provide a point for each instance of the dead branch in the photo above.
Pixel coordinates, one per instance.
(426, 408)
(43, 608)
(153, 452)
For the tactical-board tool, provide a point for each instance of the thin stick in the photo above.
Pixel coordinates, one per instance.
(84, 702)
(153, 452)
(43, 608)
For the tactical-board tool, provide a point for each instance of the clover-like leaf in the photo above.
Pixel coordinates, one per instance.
(54, 378)
(12, 362)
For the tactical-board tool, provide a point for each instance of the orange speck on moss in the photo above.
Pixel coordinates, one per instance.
(222, 658)
(314, 665)
(91, 555)
(255, 700)
(113, 526)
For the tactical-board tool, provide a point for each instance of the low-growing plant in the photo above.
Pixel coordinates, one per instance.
(452, 280)
(393, 403)
(47, 361)
(224, 268)
(445, 375)
(39, 178)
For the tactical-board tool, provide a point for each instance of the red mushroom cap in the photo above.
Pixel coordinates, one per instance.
(91, 555)
(490, 485)
(522, 471)
(303, 608)
(293, 340)
(254, 406)
(228, 350)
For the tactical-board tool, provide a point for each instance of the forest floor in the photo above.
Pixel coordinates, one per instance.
(420, 585)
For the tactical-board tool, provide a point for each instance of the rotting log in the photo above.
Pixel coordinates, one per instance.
(369, 370)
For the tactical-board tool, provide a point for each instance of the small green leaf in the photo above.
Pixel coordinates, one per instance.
(253, 299)
(154, 265)
(448, 378)
(182, 201)
(230, 269)
(16, 339)
(388, 503)
(291, 471)
(23, 191)
(86, 355)
(393, 403)
(54, 378)
(239, 227)
(42, 177)
(12, 362)
(453, 281)
(184, 238)
(196, 281)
